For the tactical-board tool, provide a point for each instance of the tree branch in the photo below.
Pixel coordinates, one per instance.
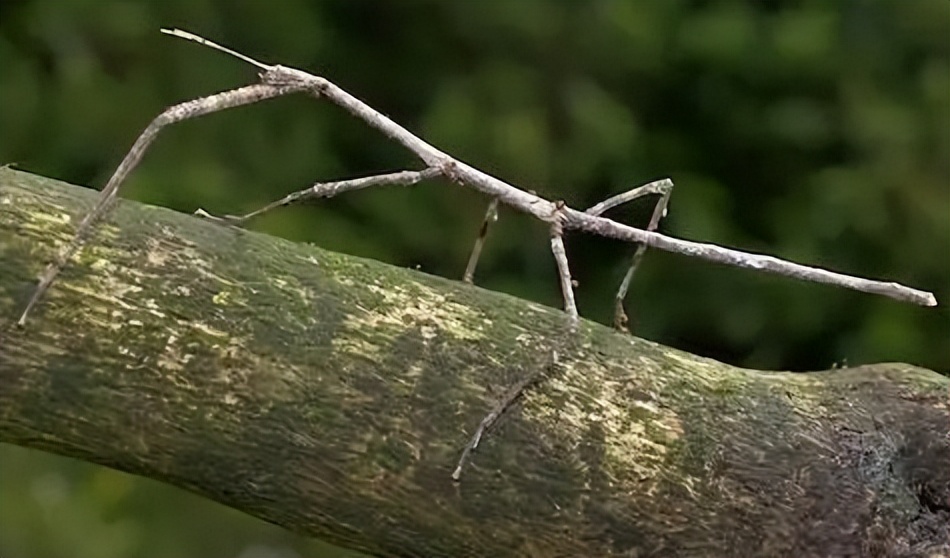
(335, 395)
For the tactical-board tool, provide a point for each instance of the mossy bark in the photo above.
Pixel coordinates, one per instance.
(333, 395)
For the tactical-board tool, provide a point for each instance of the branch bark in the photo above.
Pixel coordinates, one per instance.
(333, 396)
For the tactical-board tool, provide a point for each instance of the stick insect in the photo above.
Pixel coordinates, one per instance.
(277, 80)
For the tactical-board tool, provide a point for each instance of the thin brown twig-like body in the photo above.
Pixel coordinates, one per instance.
(330, 189)
(620, 316)
(563, 268)
(543, 209)
(659, 187)
(662, 187)
(278, 80)
(564, 272)
(491, 215)
(177, 113)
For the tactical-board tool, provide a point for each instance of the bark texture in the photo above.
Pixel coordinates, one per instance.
(333, 396)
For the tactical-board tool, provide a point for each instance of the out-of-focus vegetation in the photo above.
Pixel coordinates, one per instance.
(815, 131)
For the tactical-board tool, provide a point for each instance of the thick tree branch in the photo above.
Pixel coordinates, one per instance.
(334, 396)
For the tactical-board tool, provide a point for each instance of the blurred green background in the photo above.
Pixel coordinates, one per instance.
(817, 131)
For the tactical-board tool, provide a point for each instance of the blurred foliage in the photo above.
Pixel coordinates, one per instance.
(815, 131)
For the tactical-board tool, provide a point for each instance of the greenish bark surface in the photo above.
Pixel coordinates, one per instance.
(333, 396)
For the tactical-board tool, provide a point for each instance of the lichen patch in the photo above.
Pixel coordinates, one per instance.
(637, 432)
